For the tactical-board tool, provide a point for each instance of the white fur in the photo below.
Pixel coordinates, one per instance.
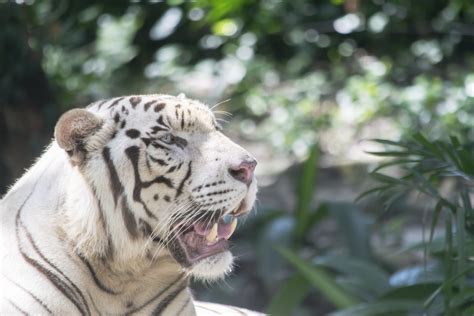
(58, 209)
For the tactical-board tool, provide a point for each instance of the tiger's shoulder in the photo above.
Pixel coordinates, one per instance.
(213, 309)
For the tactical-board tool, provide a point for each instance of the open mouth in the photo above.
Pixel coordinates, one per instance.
(204, 238)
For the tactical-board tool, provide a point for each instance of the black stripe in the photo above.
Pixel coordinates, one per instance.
(161, 162)
(157, 239)
(115, 185)
(146, 141)
(102, 103)
(161, 122)
(93, 304)
(186, 177)
(101, 216)
(145, 228)
(148, 104)
(168, 299)
(173, 168)
(117, 189)
(148, 165)
(156, 129)
(129, 219)
(156, 295)
(133, 133)
(31, 294)
(159, 107)
(160, 179)
(160, 146)
(99, 284)
(135, 101)
(17, 308)
(54, 279)
(115, 102)
(186, 303)
(133, 154)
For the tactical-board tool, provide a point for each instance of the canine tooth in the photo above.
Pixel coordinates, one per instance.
(211, 237)
(233, 225)
(227, 218)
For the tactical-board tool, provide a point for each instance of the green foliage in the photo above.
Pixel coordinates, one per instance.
(321, 280)
(298, 67)
(444, 284)
(307, 78)
(292, 233)
(425, 166)
(306, 189)
(291, 294)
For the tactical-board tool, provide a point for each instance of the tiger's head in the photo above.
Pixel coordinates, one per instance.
(164, 176)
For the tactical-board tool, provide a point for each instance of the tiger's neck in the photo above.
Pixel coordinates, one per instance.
(149, 290)
(93, 264)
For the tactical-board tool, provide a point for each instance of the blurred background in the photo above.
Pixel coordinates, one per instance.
(308, 85)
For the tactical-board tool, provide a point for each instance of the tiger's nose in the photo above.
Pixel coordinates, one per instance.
(244, 171)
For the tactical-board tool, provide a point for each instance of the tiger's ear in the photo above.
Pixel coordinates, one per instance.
(72, 130)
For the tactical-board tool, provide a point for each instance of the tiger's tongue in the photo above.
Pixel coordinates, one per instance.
(219, 230)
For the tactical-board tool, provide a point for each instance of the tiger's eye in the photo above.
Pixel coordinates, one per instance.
(167, 138)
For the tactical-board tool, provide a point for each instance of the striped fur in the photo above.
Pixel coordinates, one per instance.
(90, 229)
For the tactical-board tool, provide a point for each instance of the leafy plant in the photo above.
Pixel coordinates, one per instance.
(306, 218)
(444, 283)
(426, 166)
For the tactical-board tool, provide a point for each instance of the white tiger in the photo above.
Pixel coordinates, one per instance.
(135, 196)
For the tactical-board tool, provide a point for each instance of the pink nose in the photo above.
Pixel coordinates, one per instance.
(244, 172)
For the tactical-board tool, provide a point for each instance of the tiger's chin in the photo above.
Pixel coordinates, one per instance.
(213, 267)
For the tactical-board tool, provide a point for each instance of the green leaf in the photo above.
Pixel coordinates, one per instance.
(425, 186)
(317, 216)
(382, 308)
(394, 163)
(389, 153)
(446, 285)
(418, 292)
(371, 277)
(425, 143)
(394, 197)
(455, 141)
(269, 261)
(386, 179)
(452, 154)
(305, 192)
(464, 299)
(371, 191)
(355, 227)
(321, 280)
(467, 163)
(431, 273)
(290, 295)
(437, 210)
(461, 242)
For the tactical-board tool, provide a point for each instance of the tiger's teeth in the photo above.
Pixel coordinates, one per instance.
(233, 225)
(212, 236)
